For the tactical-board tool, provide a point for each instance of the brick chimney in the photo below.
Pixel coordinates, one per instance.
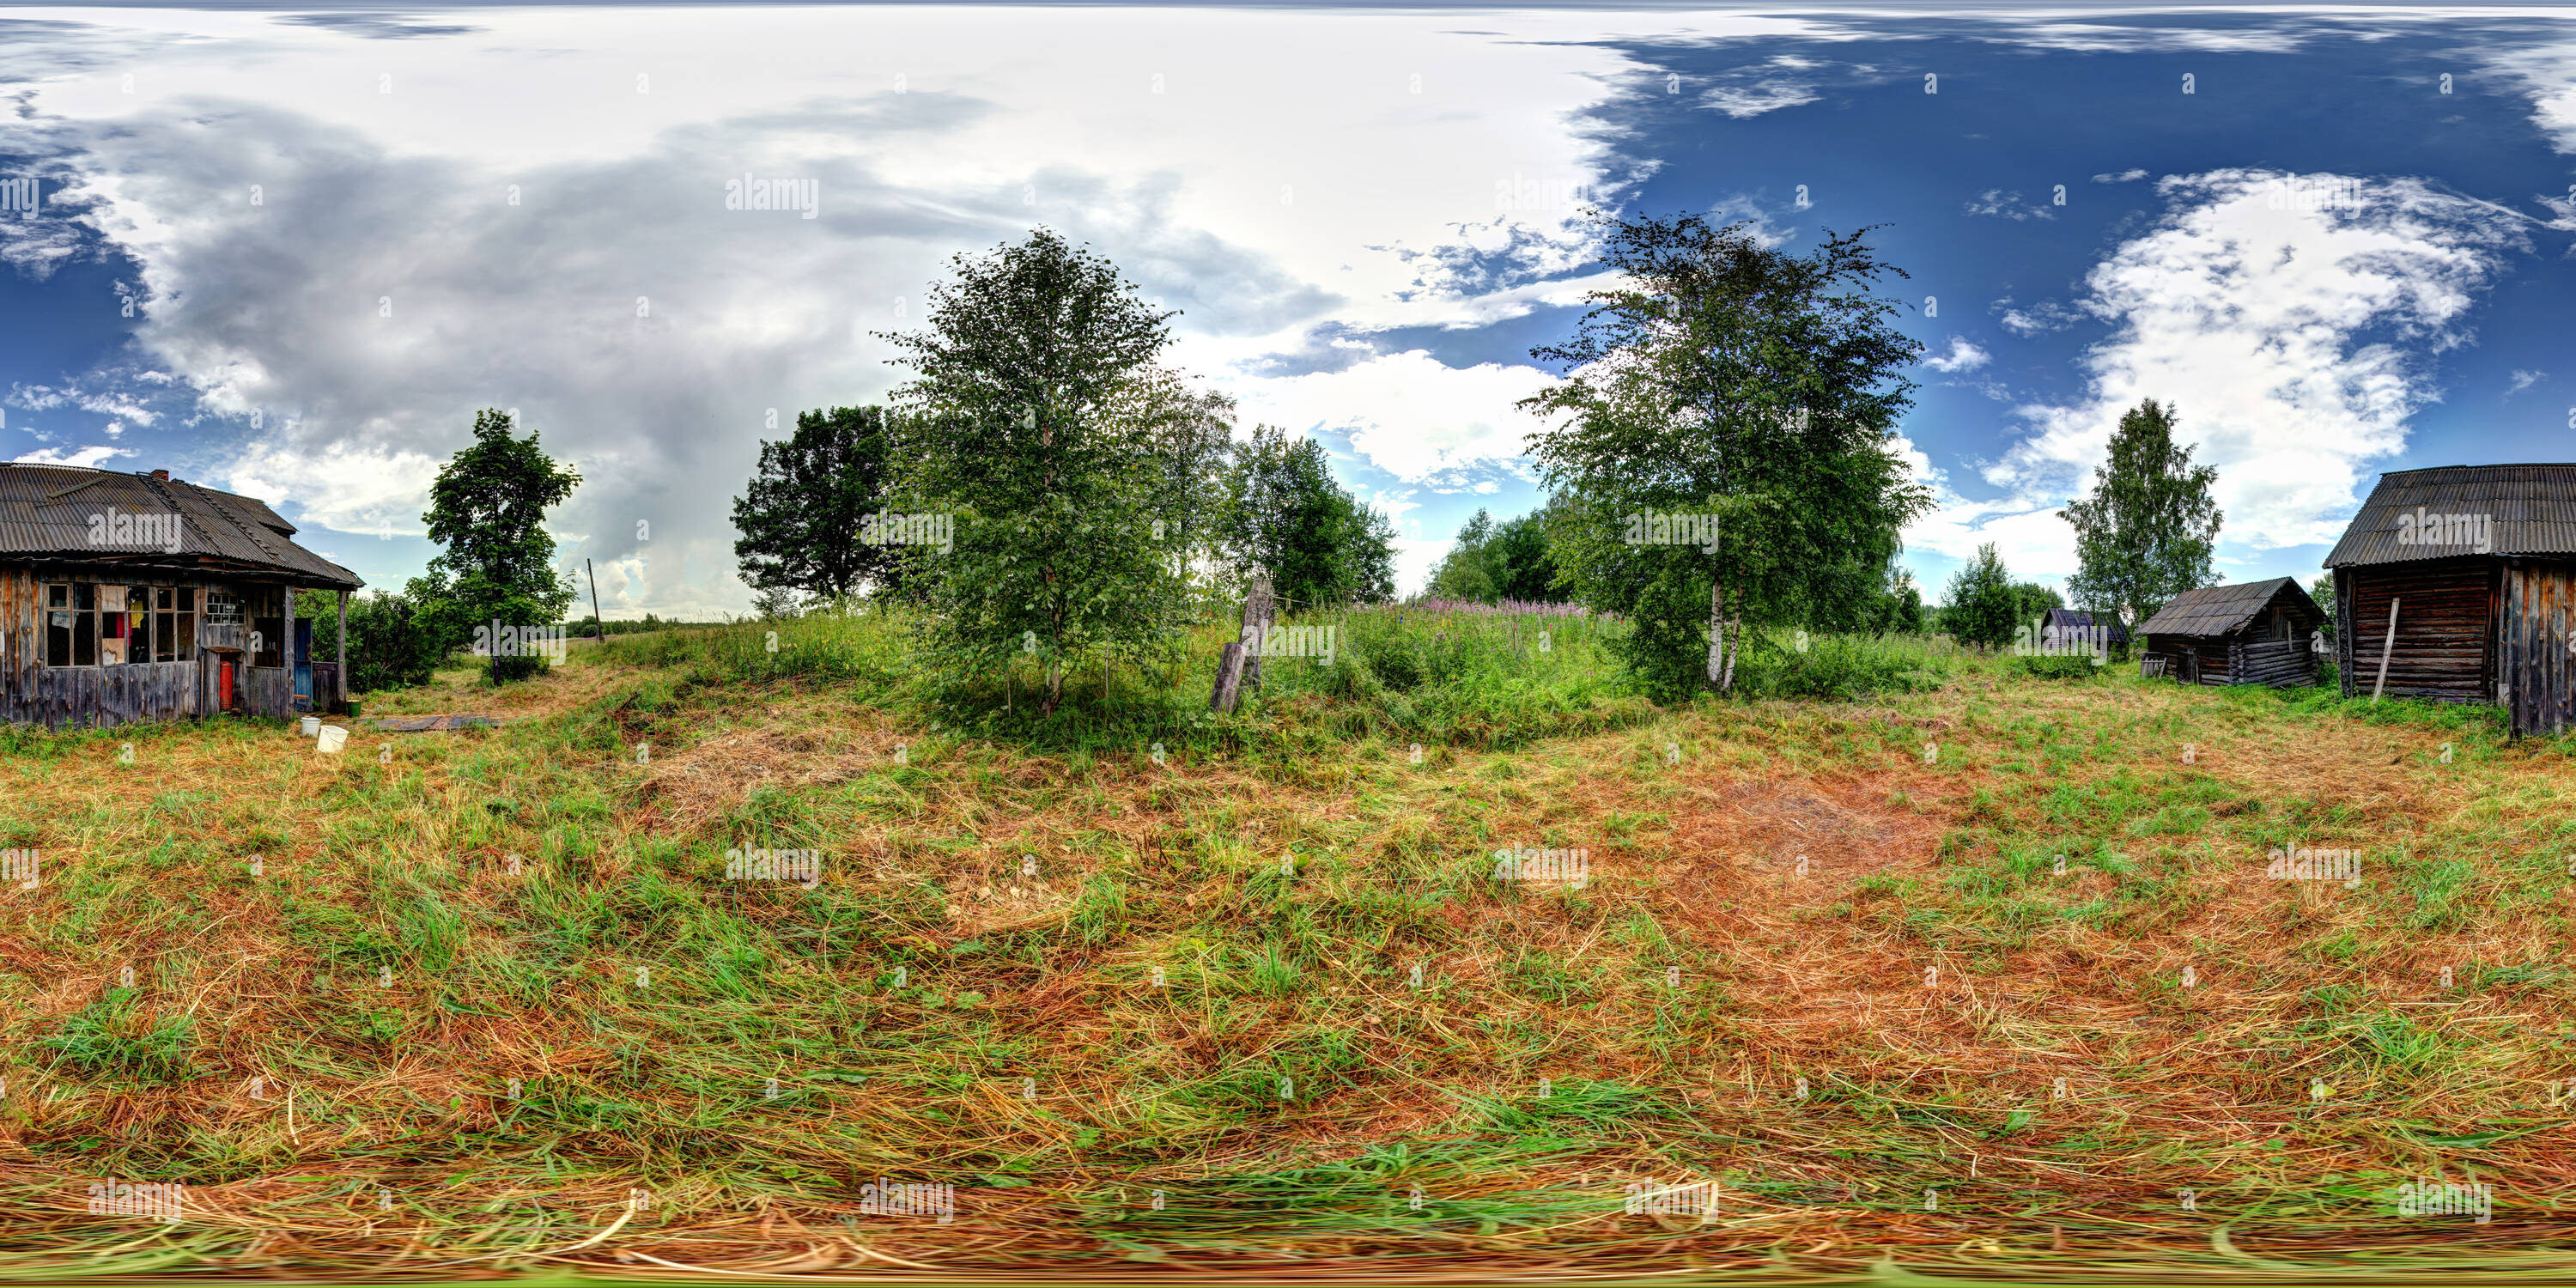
(160, 476)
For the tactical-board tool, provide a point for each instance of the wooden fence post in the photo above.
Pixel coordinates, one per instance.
(1229, 677)
(1260, 611)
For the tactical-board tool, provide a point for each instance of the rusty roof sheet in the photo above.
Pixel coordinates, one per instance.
(2516, 509)
(75, 514)
(2217, 610)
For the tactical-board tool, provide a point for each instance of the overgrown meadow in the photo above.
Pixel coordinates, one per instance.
(1909, 952)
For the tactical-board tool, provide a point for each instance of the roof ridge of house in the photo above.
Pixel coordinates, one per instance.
(2499, 465)
(209, 495)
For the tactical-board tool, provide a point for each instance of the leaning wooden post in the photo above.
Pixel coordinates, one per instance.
(2385, 648)
(286, 651)
(1260, 610)
(1229, 677)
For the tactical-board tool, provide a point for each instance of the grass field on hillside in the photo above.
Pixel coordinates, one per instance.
(490, 999)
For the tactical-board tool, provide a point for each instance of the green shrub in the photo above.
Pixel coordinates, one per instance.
(1838, 667)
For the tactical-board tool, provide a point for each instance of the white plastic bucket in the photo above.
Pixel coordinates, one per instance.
(312, 725)
(333, 739)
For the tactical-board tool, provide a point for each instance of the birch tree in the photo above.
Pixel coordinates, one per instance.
(1725, 378)
(1042, 421)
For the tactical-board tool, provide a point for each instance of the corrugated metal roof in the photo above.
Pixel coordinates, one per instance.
(2216, 610)
(2527, 509)
(48, 511)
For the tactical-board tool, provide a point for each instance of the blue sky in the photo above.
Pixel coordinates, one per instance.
(292, 254)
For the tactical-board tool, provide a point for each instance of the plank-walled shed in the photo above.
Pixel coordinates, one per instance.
(2258, 632)
(2076, 625)
(2460, 582)
(132, 597)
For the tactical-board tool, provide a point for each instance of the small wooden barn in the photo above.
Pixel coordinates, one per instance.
(2255, 633)
(2459, 582)
(2074, 624)
(131, 597)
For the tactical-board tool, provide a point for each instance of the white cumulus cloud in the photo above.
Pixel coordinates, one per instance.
(2294, 343)
(1963, 356)
(1406, 414)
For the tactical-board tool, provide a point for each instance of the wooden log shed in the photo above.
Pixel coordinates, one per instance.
(139, 597)
(2067, 624)
(2253, 633)
(2476, 567)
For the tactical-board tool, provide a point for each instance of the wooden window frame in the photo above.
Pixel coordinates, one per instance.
(179, 623)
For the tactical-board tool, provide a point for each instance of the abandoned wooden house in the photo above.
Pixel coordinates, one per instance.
(2075, 625)
(131, 597)
(2257, 633)
(2457, 584)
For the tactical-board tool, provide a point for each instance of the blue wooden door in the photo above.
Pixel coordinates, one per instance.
(303, 664)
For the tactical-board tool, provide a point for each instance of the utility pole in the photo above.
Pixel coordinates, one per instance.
(598, 628)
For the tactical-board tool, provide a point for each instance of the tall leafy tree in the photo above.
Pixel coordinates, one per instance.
(1511, 560)
(1466, 572)
(487, 512)
(2147, 532)
(1197, 439)
(1984, 605)
(1897, 609)
(2030, 600)
(2322, 591)
(1725, 377)
(1523, 567)
(799, 519)
(1041, 420)
(1286, 516)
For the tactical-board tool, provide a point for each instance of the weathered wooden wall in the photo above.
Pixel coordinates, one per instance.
(2445, 639)
(2533, 664)
(2212, 651)
(99, 697)
(2277, 663)
(271, 691)
(2238, 659)
(88, 697)
(22, 645)
(2343, 641)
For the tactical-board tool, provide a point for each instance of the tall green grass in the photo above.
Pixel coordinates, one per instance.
(1397, 674)
(1844, 668)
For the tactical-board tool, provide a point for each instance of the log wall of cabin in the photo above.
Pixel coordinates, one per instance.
(2276, 663)
(88, 697)
(2344, 644)
(2537, 628)
(2445, 648)
(2212, 650)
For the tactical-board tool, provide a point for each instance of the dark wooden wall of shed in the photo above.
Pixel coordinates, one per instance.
(2539, 623)
(2240, 658)
(2276, 663)
(2212, 650)
(2343, 629)
(2446, 610)
(88, 697)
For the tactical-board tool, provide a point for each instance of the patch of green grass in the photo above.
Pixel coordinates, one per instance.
(112, 1038)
